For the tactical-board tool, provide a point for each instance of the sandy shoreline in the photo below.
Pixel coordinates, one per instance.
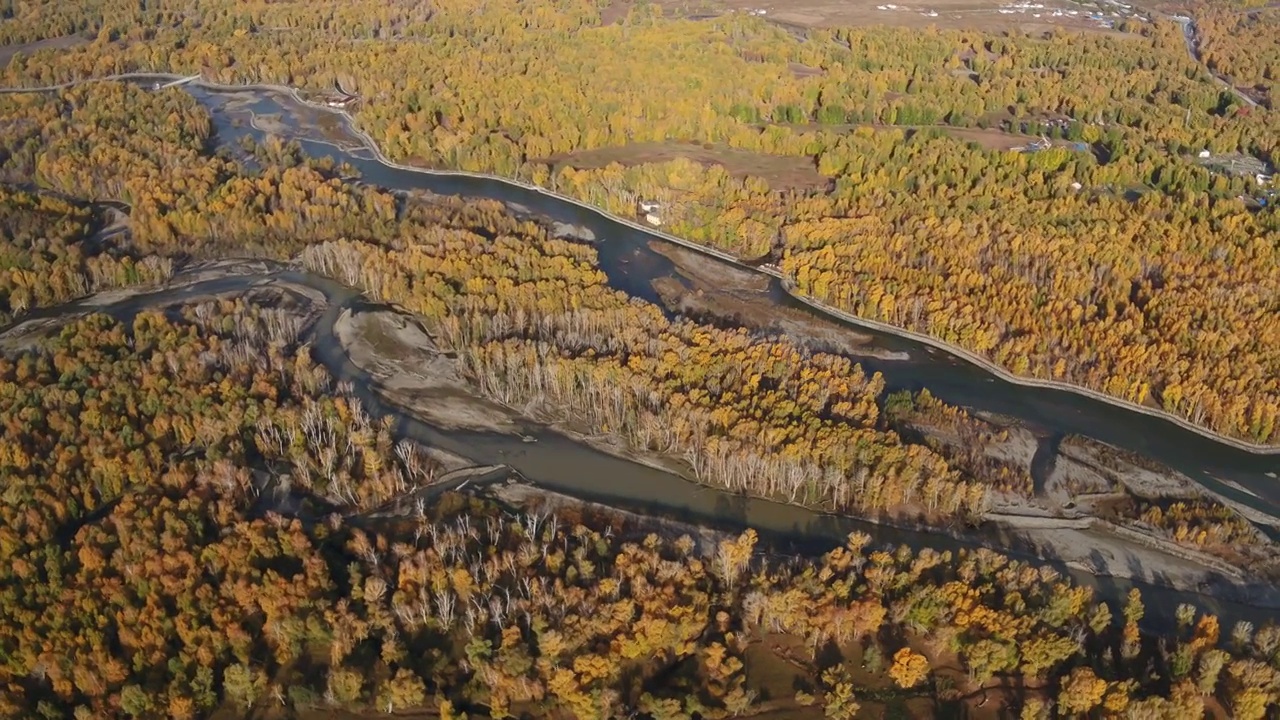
(414, 374)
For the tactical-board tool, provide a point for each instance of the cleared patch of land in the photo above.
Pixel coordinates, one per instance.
(988, 138)
(781, 172)
(803, 71)
(991, 138)
(617, 10)
(66, 42)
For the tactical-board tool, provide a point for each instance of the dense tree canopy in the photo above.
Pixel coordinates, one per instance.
(149, 566)
(1240, 42)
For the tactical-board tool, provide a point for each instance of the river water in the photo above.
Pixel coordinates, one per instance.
(562, 464)
(559, 463)
(625, 256)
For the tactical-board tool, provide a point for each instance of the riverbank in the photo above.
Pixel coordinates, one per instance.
(410, 371)
(411, 374)
(600, 468)
(707, 291)
(541, 501)
(1084, 509)
(990, 367)
(25, 331)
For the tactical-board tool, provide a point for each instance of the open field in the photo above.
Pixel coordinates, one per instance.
(7, 52)
(990, 138)
(780, 172)
(615, 11)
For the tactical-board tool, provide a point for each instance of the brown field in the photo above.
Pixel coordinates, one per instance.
(943, 14)
(618, 9)
(989, 138)
(59, 43)
(781, 172)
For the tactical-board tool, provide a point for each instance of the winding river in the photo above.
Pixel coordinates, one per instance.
(631, 264)
(564, 465)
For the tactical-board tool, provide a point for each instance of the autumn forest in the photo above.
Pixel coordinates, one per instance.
(200, 516)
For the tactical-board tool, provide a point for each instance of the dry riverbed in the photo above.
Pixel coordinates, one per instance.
(28, 333)
(413, 373)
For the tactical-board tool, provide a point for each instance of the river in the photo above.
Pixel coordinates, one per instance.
(631, 265)
(562, 464)
(626, 256)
